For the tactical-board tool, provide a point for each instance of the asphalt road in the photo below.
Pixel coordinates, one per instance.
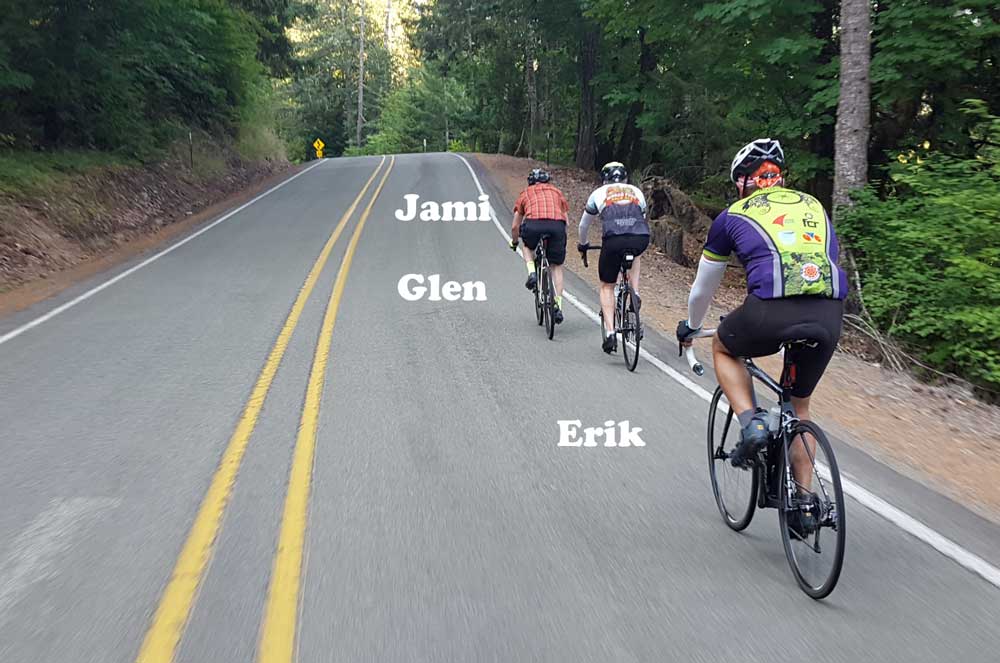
(432, 516)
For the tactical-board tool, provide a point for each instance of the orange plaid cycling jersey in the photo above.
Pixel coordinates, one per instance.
(542, 201)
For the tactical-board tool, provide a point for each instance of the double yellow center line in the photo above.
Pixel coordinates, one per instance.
(280, 618)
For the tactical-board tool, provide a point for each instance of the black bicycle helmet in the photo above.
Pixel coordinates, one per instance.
(752, 155)
(614, 172)
(538, 175)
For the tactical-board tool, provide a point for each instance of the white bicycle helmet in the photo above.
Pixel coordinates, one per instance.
(749, 158)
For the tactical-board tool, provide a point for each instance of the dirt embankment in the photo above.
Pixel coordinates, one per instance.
(88, 222)
(942, 437)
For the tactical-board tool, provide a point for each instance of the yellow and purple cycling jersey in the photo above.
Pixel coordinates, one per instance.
(785, 241)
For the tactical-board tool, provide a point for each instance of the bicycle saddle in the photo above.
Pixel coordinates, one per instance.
(799, 344)
(628, 260)
(805, 335)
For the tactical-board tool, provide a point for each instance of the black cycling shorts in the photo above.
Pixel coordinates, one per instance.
(533, 229)
(757, 328)
(613, 250)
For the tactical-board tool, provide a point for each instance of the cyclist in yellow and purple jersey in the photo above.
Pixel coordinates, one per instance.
(787, 244)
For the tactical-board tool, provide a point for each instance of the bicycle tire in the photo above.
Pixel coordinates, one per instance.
(630, 329)
(720, 467)
(835, 521)
(549, 302)
(539, 314)
(618, 311)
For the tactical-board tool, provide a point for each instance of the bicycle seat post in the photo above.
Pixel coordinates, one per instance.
(788, 370)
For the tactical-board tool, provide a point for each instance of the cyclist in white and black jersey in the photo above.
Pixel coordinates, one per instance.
(621, 208)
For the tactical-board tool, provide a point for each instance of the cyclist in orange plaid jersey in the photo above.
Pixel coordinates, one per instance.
(542, 209)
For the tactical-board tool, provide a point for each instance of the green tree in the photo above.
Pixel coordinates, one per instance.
(271, 20)
(428, 107)
(929, 255)
(122, 74)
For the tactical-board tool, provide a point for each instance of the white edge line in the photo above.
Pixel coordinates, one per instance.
(17, 331)
(863, 496)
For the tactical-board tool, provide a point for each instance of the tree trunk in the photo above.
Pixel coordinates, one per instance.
(854, 106)
(850, 164)
(668, 236)
(388, 23)
(520, 144)
(361, 77)
(586, 147)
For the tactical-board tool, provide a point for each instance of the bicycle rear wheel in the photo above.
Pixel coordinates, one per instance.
(630, 329)
(813, 520)
(735, 488)
(548, 303)
(539, 313)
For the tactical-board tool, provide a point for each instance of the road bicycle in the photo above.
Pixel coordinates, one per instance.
(627, 321)
(545, 297)
(810, 505)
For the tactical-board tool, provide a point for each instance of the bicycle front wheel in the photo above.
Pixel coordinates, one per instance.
(630, 329)
(812, 518)
(735, 488)
(548, 303)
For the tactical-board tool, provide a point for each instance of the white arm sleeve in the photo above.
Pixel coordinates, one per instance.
(710, 273)
(585, 225)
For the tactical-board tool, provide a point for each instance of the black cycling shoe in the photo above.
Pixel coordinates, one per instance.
(610, 343)
(804, 520)
(753, 438)
(532, 281)
(557, 315)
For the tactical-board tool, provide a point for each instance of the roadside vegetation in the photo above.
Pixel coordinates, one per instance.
(121, 81)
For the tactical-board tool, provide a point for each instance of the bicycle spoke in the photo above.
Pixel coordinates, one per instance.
(815, 471)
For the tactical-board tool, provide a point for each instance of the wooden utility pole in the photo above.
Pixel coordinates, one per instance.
(361, 76)
(531, 85)
(447, 128)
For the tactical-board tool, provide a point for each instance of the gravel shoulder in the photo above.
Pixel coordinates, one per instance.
(944, 438)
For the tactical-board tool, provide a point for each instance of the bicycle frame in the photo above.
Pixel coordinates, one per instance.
(540, 256)
(782, 388)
